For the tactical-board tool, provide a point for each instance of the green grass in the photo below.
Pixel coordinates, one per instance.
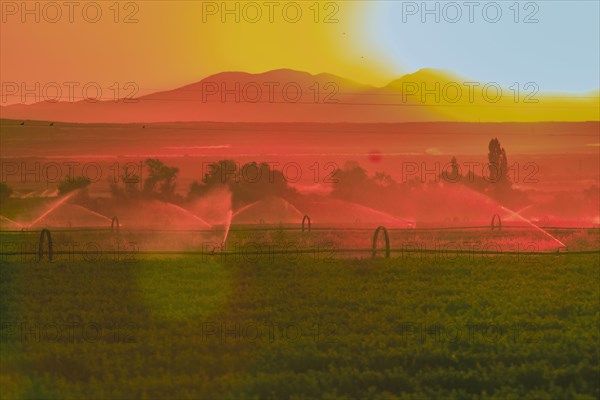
(24, 209)
(307, 329)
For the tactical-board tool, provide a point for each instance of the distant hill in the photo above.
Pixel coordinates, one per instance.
(293, 96)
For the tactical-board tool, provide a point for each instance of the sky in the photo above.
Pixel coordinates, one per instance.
(161, 45)
(553, 43)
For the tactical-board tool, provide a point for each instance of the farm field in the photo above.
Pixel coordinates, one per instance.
(226, 294)
(561, 152)
(213, 327)
(337, 200)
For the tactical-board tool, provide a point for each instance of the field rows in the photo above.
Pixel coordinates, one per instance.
(184, 327)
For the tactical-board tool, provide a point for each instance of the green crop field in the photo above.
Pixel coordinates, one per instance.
(191, 327)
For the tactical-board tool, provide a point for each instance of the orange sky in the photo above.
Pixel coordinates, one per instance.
(170, 45)
(161, 45)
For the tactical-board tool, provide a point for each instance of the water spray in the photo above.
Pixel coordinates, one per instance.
(534, 225)
(227, 226)
(51, 209)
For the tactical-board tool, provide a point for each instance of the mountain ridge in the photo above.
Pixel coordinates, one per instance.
(291, 96)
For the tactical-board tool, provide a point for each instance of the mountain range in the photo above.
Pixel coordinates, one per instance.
(288, 96)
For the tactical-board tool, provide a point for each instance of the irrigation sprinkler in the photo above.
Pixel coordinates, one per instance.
(45, 233)
(306, 219)
(494, 226)
(387, 241)
(114, 223)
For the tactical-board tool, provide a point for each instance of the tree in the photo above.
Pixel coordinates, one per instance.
(70, 184)
(161, 180)
(130, 188)
(258, 181)
(383, 180)
(498, 163)
(455, 168)
(223, 173)
(353, 182)
(454, 175)
(5, 192)
(247, 184)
